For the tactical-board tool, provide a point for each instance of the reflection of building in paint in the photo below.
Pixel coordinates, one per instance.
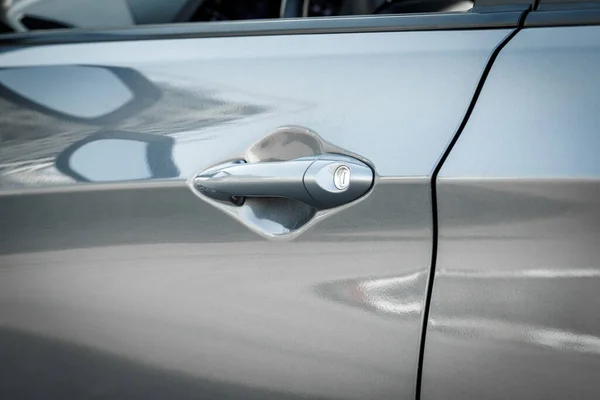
(545, 322)
(397, 296)
(561, 340)
(30, 139)
(31, 173)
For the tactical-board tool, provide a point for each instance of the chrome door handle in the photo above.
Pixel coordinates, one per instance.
(323, 181)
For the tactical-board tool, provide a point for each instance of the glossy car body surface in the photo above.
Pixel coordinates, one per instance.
(515, 292)
(120, 279)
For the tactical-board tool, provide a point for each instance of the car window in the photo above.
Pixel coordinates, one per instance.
(34, 15)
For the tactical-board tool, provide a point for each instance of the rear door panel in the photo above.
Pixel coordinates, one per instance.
(146, 279)
(515, 297)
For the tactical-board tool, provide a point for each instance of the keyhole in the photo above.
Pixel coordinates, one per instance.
(341, 177)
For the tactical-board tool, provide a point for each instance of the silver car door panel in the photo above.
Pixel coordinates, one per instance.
(515, 296)
(115, 278)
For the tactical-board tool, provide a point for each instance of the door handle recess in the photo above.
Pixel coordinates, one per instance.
(323, 181)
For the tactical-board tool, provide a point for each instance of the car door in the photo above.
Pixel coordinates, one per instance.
(126, 274)
(514, 310)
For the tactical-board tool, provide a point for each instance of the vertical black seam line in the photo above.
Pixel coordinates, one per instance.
(436, 171)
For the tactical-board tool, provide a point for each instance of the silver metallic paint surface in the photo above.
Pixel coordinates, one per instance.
(159, 279)
(514, 312)
(143, 290)
(221, 95)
